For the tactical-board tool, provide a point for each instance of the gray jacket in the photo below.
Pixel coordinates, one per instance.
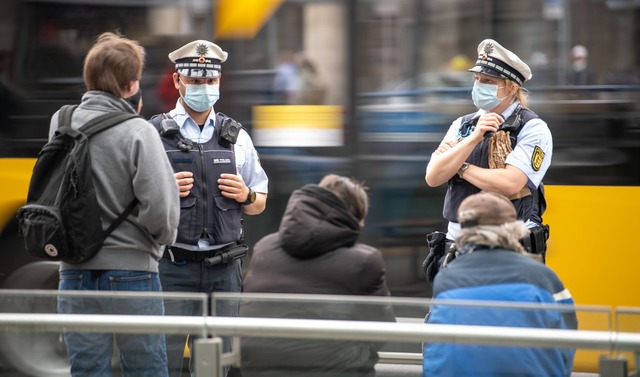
(128, 162)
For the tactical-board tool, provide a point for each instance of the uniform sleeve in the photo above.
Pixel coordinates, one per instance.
(533, 150)
(248, 164)
(452, 132)
(155, 186)
(450, 135)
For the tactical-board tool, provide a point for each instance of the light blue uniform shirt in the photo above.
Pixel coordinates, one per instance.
(247, 159)
(534, 134)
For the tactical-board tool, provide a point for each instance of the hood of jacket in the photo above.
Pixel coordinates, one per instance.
(315, 222)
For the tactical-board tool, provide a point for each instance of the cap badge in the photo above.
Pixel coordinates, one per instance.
(488, 49)
(202, 50)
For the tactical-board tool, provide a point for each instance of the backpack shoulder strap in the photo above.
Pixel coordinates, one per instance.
(105, 121)
(64, 115)
(127, 211)
(97, 125)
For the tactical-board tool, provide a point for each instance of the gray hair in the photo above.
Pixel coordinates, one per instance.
(352, 192)
(506, 235)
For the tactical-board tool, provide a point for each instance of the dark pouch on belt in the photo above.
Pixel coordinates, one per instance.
(437, 242)
(536, 241)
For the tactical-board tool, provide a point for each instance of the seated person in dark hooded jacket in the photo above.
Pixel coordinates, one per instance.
(493, 266)
(316, 251)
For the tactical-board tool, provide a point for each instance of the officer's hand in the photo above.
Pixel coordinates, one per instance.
(488, 122)
(185, 182)
(233, 187)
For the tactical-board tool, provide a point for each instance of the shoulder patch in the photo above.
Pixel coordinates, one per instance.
(536, 158)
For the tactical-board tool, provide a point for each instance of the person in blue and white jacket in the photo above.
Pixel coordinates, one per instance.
(493, 266)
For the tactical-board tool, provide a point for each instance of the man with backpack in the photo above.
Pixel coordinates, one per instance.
(130, 169)
(503, 147)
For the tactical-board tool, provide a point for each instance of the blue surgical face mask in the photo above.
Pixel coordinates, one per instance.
(485, 96)
(201, 97)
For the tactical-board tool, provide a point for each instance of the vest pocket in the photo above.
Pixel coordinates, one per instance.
(225, 224)
(225, 204)
(188, 219)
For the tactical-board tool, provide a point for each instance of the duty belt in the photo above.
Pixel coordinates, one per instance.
(209, 257)
(180, 254)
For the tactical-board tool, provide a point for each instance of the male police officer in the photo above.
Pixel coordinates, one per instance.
(220, 177)
(503, 147)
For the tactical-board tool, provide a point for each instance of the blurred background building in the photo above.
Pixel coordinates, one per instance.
(377, 83)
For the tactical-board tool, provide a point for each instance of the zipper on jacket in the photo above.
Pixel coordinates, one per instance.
(205, 202)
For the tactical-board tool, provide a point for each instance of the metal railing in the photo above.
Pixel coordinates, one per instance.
(212, 364)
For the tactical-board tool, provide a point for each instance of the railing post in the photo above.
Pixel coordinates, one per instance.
(208, 357)
(636, 363)
(233, 358)
(613, 366)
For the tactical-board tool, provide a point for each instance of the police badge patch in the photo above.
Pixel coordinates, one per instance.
(536, 158)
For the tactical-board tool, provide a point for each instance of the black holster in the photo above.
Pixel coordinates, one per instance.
(441, 252)
(235, 252)
(536, 241)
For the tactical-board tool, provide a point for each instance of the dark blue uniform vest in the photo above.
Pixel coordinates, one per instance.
(218, 220)
(530, 207)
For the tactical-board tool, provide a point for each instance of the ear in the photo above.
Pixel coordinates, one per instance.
(176, 80)
(131, 88)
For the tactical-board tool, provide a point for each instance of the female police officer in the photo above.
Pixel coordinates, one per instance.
(503, 147)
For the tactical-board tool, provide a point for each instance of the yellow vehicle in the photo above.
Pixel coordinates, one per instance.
(391, 94)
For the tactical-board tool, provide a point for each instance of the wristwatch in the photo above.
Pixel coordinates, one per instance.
(251, 198)
(462, 169)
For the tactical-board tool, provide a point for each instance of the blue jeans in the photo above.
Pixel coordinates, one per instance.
(90, 353)
(196, 278)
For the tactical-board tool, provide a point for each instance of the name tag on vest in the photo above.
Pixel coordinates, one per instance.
(218, 161)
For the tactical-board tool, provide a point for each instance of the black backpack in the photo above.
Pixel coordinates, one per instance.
(61, 220)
